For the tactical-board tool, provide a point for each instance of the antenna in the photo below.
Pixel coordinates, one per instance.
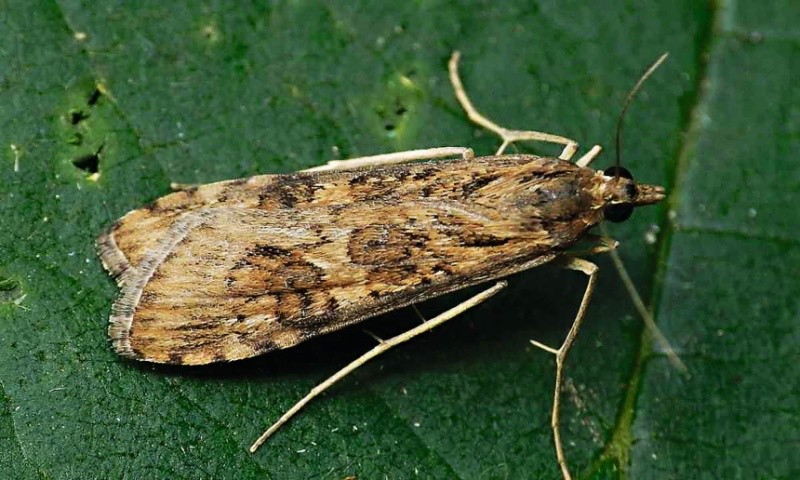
(634, 91)
(620, 267)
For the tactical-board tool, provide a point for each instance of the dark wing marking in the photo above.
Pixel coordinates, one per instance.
(240, 282)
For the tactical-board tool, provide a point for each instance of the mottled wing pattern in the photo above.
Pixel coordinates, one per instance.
(305, 254)
(130, 238)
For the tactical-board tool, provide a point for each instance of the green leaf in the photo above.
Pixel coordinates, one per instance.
(149, 93)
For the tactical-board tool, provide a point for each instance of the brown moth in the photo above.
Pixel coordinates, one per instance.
(234, 269)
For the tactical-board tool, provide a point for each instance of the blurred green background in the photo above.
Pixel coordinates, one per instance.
(103, 104)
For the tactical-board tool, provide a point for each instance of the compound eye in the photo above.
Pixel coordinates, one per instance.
(618, 213)
(616, 171)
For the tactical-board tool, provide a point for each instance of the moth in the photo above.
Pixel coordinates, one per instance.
(238, 268)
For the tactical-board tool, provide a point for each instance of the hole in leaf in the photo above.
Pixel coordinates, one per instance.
(94, 97)
(10, 290)
(89, 163)
(77, 116)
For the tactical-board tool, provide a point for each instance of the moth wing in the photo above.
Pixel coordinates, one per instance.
(224, 284)
(239, 268)
(127, 241)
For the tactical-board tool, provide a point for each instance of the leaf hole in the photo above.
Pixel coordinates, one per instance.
(10, 291)
(94, 97)
(77, 116)
(89, 163)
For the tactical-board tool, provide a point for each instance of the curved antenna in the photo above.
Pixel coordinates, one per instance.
(634, 91)
(620, 267)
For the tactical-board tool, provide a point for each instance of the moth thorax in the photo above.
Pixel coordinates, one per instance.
(564, 197)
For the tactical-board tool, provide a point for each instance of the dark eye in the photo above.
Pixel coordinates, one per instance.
(618, 171)
(618, 213)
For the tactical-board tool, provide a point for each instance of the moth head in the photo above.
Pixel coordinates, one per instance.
(626, 194)
(623, 194)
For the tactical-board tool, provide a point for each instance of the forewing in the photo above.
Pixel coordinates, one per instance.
(234, 269)
(129, 239)
(229, 283)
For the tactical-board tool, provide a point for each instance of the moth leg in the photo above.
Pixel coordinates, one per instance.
(589, 156)
(179, 187)
(589, 269)
(509, 136)
(604, 245)
(382, 346)
(395, 157)
(418, 313)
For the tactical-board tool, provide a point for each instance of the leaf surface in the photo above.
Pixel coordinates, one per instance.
(152, 93)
